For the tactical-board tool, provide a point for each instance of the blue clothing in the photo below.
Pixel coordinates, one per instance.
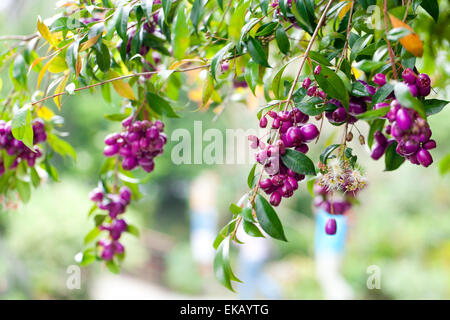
(330, 243)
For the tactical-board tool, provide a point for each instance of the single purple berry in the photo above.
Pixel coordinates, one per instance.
(409, 76)
(379, 79)
(309, 132)
(317, 70)
(306, 83)
(403, 119)
(424, 157)
(331, 226)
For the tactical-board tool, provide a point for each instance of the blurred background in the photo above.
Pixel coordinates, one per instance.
(402, 225)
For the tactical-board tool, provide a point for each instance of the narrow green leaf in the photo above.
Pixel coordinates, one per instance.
(268, 219)
(332, 85)
(327, 152)
(282, 40)
(251, 229)
(180, 34)
(298, 162)
(251, 177)
(392, 159)
(160, 105)
(257, 52)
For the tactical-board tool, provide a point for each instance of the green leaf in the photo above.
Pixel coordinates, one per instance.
(298, 162)
(398, 33)
(247, 214)
(121, 25)
(160, 105)
(282, 40)
(112, 266)
(196, 13)
(326, 153)
(72, 56)
(392, 159)
(19, 70)
(360, 44)
(87, 258)
(257, 52)
(234, 209)
(180, 34)
(251, 74)
(406, 99)
(433, 106)
(268, 219)
(266, 29)
(310, 185)
(277, 86)
(92, 235)
(251, 177)
(224, 232)
(319, 58)
(369, 66)
(444, 165)
(24, 190)
(333, 85)
(60, 146)
(21, 126)
(251, 229)
(35, 179)
(432, 7)
(309, 106)
(382, 93)
(222, 268)
(373, 114)
(133, 230)
(359, 90)
(103, 58)
(237, 20)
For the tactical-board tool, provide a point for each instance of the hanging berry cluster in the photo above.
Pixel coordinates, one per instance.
(18, 149)
(138, 145)
(115, 205)
(290, 131)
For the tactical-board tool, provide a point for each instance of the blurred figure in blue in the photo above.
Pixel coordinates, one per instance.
(203, 220)
(253, 256)
(329, 252)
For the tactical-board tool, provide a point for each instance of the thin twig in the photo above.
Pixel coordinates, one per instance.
(116, 79)
(386, 27)
(349, 27)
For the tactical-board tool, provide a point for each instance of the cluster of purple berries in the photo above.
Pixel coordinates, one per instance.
(411, 132)
(339, 115)
(419, 85)
(407, 127)
(294, 132)
(17, 148)
(115, 204)
(138, 145)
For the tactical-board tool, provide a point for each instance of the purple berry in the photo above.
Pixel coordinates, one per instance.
(309, 132)
(379, 79)
(317, 70)
(331, 226)
(275, 198)
(306, 83)
(403, 119)
(263, 122)
(409, 76)
(424, 157)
